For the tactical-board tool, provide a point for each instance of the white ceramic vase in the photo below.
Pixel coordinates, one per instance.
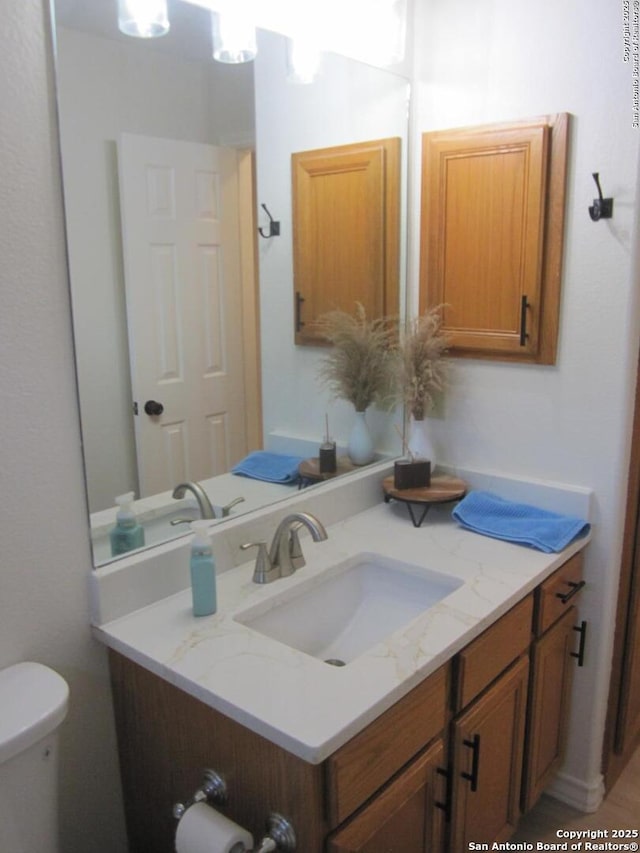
(420, 443)
(360, 447)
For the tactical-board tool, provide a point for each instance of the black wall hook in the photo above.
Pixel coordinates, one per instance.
(602, 207)
(274, 226)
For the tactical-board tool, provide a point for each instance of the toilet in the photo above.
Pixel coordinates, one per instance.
(33, 703)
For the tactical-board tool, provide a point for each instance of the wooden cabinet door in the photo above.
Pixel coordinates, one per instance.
(629, 715)
(552, 670)
(346, 207)
(403, 817)
(488, 745)
(491, 241)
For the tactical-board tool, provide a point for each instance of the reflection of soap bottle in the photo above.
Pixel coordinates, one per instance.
(203, 571)
(327, 462)
(127, 534)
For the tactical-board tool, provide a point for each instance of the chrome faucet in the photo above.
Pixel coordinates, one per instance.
(204, 504)
(285, 553)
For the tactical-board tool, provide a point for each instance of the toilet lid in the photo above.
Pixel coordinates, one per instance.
(33, 702)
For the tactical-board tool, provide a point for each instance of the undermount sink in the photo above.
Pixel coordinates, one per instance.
(350, 608)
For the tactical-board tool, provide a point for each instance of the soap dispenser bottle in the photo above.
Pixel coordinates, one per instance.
(127, 533)
(203, 571)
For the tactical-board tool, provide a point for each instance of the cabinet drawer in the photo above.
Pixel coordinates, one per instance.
(558, 593)
(485, 658)
(368, 760)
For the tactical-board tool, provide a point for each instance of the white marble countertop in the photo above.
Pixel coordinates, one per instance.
(295, 700)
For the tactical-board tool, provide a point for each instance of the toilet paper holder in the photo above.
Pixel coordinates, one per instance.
(279, 831)
(280, 835)
(213, 791)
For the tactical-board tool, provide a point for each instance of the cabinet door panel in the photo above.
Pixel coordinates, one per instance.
(552, 669)
(491, 235)
(346, 203)
(403, 818)
(486, 203)
(495, 722)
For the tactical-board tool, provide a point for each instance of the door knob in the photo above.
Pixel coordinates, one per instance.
(151, 407)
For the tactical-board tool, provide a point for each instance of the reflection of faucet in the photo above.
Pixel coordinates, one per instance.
(204, 504)
(285, 554)
(225, 510)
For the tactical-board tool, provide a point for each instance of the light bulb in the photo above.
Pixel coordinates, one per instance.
(143, 18)
(303, 60)
(234, 37)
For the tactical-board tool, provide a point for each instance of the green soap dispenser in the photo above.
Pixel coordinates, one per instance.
(203, 571)
(127, 534)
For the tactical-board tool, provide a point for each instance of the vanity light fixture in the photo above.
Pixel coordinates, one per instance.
(303, 60)
(336, 26)
(143, 18)
(234, 36)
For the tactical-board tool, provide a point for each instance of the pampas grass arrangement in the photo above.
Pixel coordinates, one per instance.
(360, 365)
(421, 367)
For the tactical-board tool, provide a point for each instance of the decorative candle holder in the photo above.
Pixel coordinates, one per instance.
(411, 473)
(327, 461)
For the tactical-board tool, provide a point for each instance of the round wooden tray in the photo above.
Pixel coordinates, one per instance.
(309, 469)
(443, 488)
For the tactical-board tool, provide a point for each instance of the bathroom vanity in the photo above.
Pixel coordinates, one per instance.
(440, 734)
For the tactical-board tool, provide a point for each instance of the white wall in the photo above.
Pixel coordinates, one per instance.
(45, 556)
(490, 60)
(349, 102)
(106, 87)
(482, 61)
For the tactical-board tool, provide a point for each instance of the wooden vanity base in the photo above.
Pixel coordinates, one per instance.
(456, 760)
(166, 738)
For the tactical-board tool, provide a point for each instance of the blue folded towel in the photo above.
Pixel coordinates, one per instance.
(486, 513)
(271, 467)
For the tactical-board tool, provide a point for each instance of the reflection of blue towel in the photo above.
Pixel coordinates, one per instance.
(491, 515)
(271, 467)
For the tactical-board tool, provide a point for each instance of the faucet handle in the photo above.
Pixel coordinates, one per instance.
(228, 507)
(264, 571)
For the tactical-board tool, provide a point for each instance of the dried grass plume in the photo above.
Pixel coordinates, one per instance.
(421, 366)
(359, 366)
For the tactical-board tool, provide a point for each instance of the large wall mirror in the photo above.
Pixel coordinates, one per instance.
(126, 104)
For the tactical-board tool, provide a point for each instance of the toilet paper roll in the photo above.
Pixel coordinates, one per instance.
(204, 830)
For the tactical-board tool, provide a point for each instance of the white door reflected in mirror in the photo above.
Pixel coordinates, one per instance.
(181, 244)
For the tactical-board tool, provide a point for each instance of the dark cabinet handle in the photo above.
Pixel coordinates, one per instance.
(524, 304)
(151, 407)
(575, 587)
(299, 301)
(446, 805)
(582, 630)
(472, 777)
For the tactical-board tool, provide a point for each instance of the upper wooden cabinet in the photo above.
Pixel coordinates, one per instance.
(346, 208)
(492, 234)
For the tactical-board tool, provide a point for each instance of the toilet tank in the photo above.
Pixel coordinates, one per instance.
(33, 703)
